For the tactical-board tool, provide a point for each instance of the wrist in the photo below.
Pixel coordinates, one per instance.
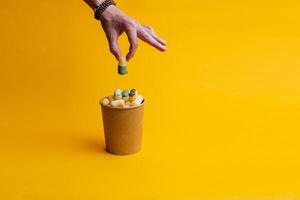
(108, 13)
(98, 3)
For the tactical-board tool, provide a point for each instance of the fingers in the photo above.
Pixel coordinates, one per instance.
(112, 38)
(131, 33)
(154, 35)
(147, 37)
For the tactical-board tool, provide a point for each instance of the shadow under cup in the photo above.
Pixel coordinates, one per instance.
(123, 128)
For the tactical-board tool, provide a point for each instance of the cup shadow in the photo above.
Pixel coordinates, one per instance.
(90, 144)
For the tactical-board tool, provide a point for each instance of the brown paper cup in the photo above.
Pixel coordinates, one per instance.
(123, 129)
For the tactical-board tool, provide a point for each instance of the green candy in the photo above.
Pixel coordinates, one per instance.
(125, 93)
(122, 70)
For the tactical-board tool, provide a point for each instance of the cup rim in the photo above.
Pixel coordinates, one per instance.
(121, 108)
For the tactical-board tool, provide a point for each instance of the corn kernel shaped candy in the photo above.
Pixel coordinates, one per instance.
(117, 94)
(132, 95)
(118, 103)
(111, 98)
(139, 99)
(122, 69)
(127, 104)
(125, 95)
(105, 102)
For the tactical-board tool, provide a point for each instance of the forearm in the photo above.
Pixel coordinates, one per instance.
(93, 3)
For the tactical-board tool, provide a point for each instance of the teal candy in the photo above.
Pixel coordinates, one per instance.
(122, 70)
(125, 93)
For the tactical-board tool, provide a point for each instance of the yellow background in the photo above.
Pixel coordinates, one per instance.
(222, 111)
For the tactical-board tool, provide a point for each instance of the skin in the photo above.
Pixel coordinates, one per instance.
(115, 22)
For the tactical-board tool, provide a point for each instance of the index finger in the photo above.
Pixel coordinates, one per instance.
(113, 44)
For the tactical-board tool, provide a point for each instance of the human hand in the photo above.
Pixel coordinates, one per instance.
(114, 22)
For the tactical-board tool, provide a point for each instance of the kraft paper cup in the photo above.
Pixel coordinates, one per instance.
(123, 128)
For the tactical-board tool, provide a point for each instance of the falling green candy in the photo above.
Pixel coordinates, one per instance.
(122, 69)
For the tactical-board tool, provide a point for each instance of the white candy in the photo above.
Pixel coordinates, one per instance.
(105, 101)
(139, 99)
(118, 103)
(117, 94)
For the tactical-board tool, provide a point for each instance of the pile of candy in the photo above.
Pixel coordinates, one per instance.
(123, 99)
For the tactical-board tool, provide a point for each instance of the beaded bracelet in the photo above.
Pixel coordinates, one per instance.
(102, 7)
